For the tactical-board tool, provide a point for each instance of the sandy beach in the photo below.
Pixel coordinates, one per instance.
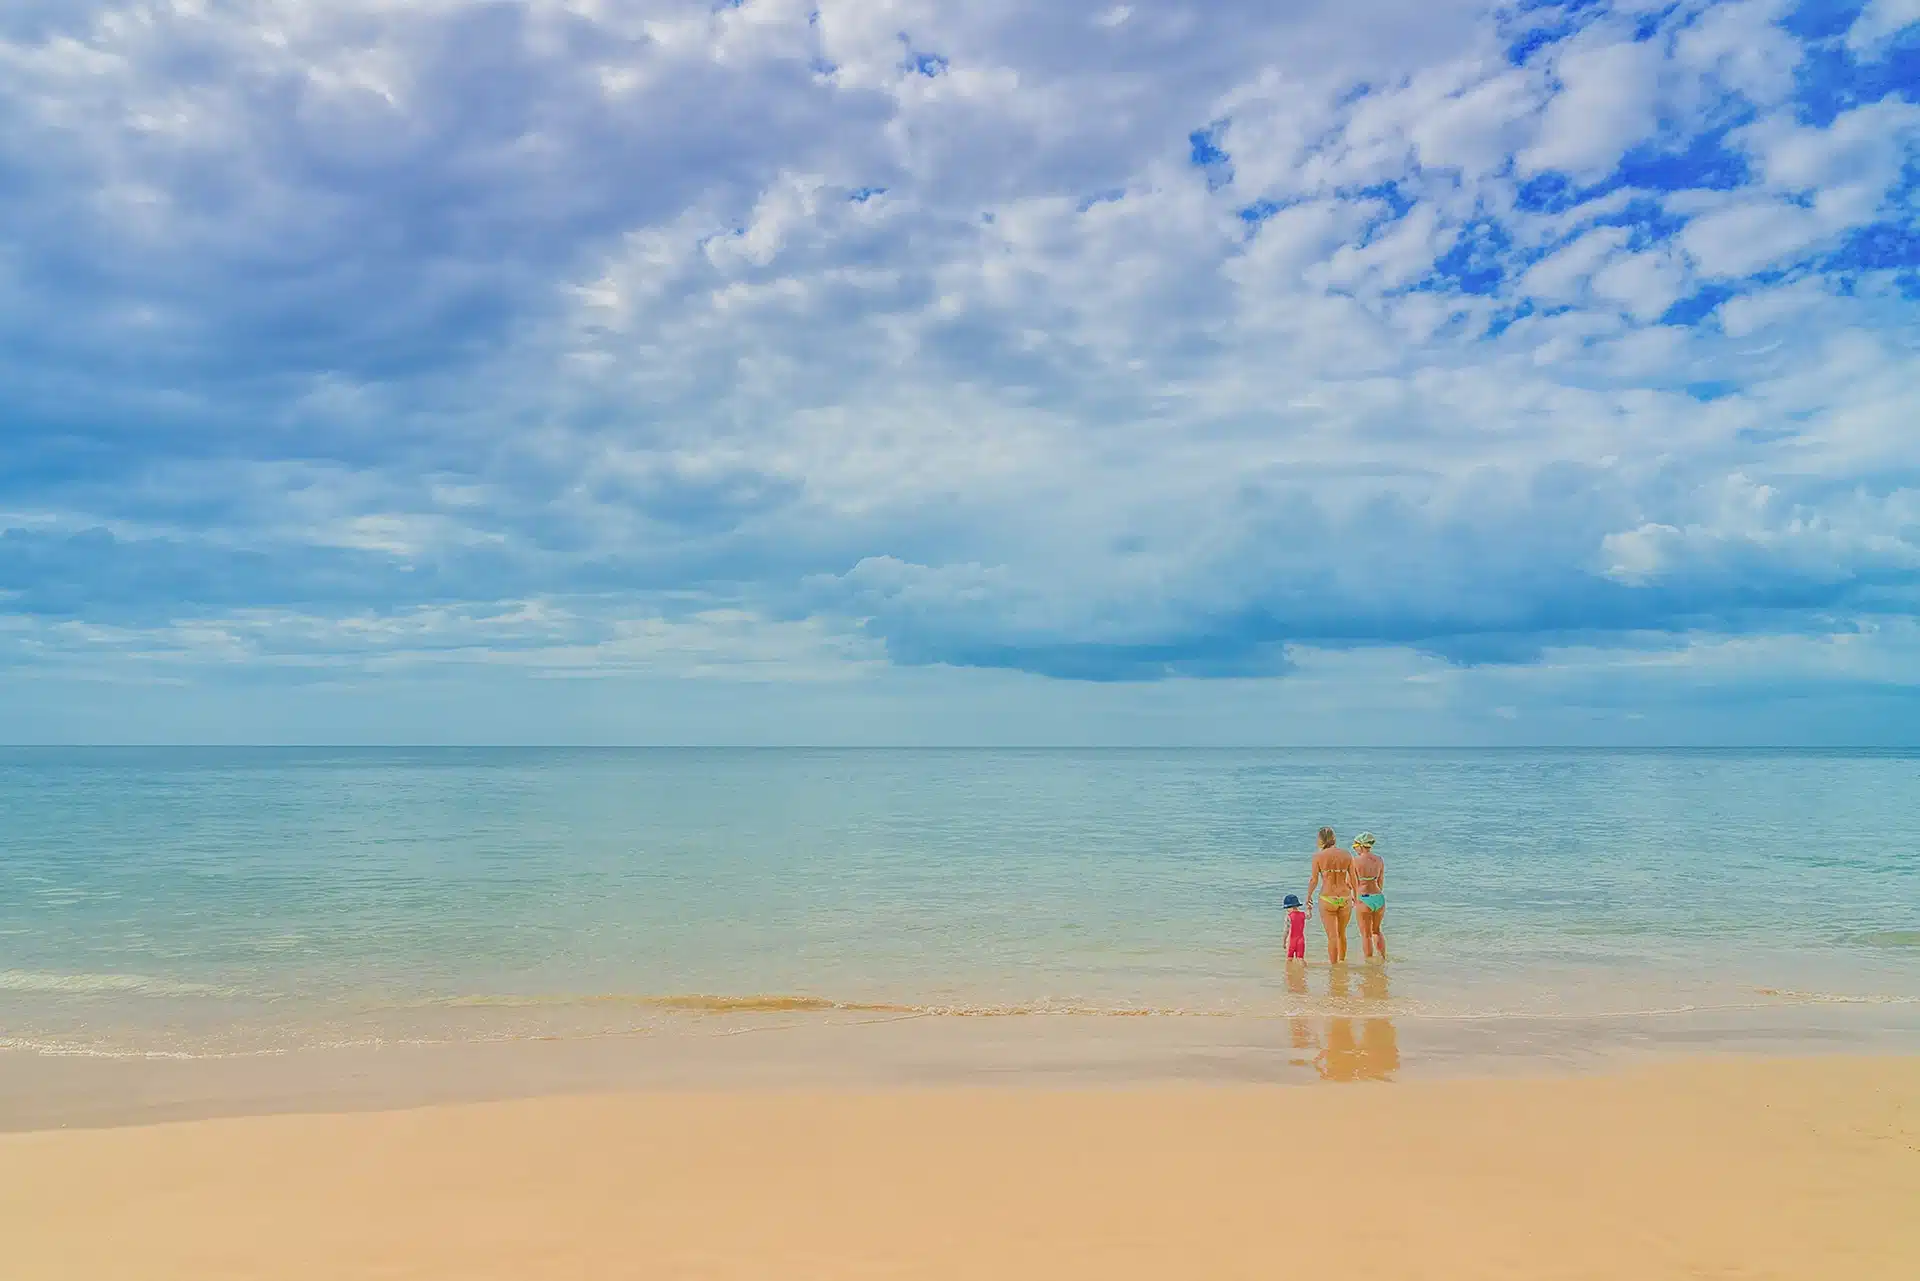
(1714, 1167)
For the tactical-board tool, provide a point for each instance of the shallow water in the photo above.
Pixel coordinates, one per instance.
(196, 901)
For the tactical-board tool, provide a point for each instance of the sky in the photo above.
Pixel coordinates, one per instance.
(885, 371)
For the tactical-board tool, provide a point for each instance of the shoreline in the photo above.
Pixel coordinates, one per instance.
(841, 1050)
(1704, 1166)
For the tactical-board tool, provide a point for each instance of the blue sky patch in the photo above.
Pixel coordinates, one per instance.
(1830, 80)
(1648, 222)
(1697, 306)
(1259, 211)
(1705, 162)
(1881, 247)
(1204, 152)
(1553, 192)
(1712, 389)
(1477, 262)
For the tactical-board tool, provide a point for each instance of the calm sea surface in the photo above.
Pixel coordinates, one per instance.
(194, 901)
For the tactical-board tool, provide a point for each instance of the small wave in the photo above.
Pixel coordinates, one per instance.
(1777, 999)
(1835, 998)
(101, 984)
(1898, 939)
(1499, 1013)
(692, 1003)
(793, 1003)
(784, 1003)
(74, 1050)
(769, 1005)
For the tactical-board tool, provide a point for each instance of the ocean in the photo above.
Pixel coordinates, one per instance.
(206, 902)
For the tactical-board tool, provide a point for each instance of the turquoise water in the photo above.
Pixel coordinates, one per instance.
(187, 901)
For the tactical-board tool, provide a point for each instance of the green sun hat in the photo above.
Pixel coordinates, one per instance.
(1363, 841)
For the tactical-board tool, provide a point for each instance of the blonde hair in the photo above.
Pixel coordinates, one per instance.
(1326, 838)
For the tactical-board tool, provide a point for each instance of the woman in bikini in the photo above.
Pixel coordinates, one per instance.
(1370, 874)
(1333, 877)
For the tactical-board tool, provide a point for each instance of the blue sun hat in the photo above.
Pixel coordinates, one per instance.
(1291, 900)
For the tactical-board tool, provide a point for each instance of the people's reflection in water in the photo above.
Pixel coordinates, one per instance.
(1300, 1024)
(1379, 1039)
(1362, 1049)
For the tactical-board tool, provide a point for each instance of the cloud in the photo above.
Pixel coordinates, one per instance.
(570, 638)
(1606, 102)
(1881, 23)
(1117, 344)
(1746, 525)
(1740, 48)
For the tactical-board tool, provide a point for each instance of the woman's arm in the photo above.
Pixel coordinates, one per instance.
(1314, 880)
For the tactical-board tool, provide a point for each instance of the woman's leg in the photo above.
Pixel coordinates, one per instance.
(1336, 919)
(1366, 931)
(1380, 932)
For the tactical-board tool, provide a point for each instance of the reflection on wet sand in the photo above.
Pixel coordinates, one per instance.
(1300, 1025)
(1346, 1048)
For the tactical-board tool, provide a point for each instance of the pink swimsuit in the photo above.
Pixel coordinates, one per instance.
(1296, 934)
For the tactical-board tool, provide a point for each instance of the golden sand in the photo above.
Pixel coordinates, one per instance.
(1705, 1169)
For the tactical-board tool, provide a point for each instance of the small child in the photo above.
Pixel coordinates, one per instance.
(1296, 928)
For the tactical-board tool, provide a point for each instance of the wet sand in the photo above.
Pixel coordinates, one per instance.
(1721, 1167)
(855, 1051)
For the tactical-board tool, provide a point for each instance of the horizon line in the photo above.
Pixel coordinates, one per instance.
(978, 747)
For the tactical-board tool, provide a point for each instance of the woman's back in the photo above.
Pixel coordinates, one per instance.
(1335, 867)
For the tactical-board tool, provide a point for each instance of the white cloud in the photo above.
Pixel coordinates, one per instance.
(1879, 23)
(573, 639)
(1755, 312)
(1828, 180)
(1560, 276)
(1847, 167)
(1743, 48)
(1643, 284)
(1477, 128)
(1396, 257)
(1606, 103)
(1740, 239)
(1742, 518)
